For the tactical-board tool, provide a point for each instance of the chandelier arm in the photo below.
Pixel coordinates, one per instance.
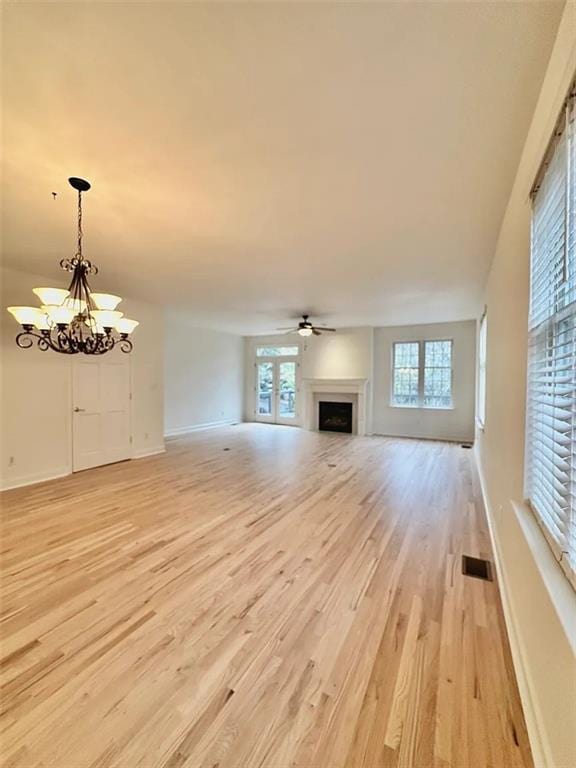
(26, 339)
(44, 341)
(61, 342)
(93, 344)
(105, 344)
(58, 348)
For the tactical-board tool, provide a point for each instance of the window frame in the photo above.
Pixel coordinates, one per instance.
(288, 356)
(421, 406)
(393, 378)
(481, 383)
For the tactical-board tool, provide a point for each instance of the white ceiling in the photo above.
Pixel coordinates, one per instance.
(253, 161)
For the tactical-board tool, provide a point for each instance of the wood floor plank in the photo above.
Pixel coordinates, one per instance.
(295, 601)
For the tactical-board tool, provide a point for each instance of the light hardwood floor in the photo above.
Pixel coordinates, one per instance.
(295, 601)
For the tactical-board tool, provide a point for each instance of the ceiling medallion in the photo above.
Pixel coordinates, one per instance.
(75, 320)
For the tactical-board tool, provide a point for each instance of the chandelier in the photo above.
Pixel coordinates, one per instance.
(75, 320)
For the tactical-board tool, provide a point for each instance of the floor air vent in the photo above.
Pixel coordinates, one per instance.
(474, 566)
(466, 445)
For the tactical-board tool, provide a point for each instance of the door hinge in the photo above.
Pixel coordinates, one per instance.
(130, 396)
(130, 438)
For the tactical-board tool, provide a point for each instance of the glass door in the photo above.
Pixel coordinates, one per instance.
(265, 387)
(277, 390)
(286, 391)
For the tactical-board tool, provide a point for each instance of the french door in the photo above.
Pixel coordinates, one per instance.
(277, 385)
(101, 411)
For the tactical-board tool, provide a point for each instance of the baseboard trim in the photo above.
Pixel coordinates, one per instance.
(180, 431)
(538, 742)
(143, 452)
(8, 484)
(458, 440)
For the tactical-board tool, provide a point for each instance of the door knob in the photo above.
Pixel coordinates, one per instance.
(78, 410)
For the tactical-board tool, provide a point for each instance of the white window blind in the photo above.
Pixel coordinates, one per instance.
(551, 406)
(481, 407)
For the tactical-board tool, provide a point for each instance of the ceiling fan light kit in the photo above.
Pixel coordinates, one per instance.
(306, 328)
(75, 321)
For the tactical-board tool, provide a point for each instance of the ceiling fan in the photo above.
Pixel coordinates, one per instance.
(305, 328)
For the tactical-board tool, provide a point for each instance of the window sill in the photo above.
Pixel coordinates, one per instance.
(422, 407)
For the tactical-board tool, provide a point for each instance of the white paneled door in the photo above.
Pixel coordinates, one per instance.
(101, 411)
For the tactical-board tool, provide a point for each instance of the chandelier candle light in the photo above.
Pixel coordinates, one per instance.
(75, 320)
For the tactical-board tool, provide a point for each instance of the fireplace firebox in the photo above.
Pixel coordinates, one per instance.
(335, 417)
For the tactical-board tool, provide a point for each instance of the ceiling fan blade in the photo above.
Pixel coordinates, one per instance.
(287, 328)
(293, 330)
(316, 332)
(322, 329)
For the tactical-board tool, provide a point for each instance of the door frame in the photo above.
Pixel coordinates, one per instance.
(274, 417)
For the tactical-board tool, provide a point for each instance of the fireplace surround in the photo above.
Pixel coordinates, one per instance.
(335, 390)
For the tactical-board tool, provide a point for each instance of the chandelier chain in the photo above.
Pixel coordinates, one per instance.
(80, 233)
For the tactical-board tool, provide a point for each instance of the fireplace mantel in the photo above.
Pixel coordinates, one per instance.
(313, 387)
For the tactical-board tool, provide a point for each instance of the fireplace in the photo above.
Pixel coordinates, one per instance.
(350, 391)
(335, 417)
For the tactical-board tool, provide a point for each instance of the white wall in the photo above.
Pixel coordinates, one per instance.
(36, 394)
(204, 376)
(454, 424)
(146, 360)
(347, 354)
(539, 604)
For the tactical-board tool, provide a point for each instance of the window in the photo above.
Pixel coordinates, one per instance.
(550, 469)
(422, 374)
(437, 374)
(481, 405)
(276, 351)
(406, 373)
